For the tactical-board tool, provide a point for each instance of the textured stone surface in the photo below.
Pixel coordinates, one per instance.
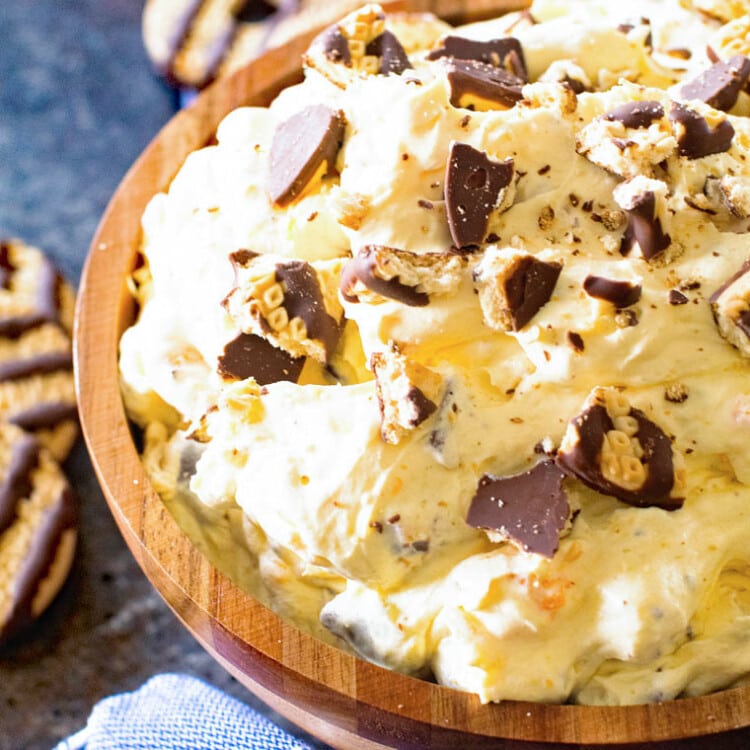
(78, 103)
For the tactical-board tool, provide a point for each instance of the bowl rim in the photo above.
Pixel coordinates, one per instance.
(332, 694)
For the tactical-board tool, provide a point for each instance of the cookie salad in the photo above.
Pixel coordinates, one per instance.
(445, 354)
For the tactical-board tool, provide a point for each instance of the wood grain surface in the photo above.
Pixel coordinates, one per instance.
(347, 702)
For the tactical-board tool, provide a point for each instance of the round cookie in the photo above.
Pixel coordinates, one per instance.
(37, 530)
(37, 391)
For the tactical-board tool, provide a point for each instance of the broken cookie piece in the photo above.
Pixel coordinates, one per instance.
(357, 46)
(513, 287)
(531, 510)
(481, 87)
(629, 140)
(643, 199)
(616, 450)
(504, 53)
(408, 393)
(287, 302)
(696, 136)
(475, 187)
(303, 151)
(730, 305)
(378, 272)
(251, 356)
(720, 85)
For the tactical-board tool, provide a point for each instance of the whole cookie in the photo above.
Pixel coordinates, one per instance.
(37, 530)
(37, 391)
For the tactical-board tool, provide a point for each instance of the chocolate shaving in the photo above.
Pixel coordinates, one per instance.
(505, 53)
(16, 484)
(474, 185)
(720, 85)
(249, 355)
(583, 459)
(619, 293)
(469, 78)
(530, 509)
(695, 138)
(307, 141)
(303, 298)
(677, 298)
(644, 228)
(362, 268)
(393, 57)
(636, 114)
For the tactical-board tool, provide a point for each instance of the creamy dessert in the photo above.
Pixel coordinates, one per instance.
(444, 355)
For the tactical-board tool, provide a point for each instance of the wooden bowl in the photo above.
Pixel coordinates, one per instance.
(343, 700)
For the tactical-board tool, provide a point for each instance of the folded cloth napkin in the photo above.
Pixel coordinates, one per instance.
(178, 712)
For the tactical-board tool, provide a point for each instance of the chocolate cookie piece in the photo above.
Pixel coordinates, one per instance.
(287, 302)
(38, 540)
(303, 151)
(377, 271)
(407, 392)
(696, 138)
(638, 198)
(251, 356)
(636, 114)
(475, 187)
(358, 45)
(720, 85)
(513, 288)
(730, 305)
(619, 293)
(477, 86)
(505, 53)
(530, 510)
(617, 450)
(37, 389)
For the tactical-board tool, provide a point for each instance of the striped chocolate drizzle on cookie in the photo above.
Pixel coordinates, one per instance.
(43, 415)
(16, 484)
(46, 304)
(47, 543)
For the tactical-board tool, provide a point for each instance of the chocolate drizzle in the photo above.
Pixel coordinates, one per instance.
(37, 364)
(38, 560)
(46, 304)
(249, 355)
(7, 269)
(362, 268)
(16, 484)
(530, 509)
(43, 415)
